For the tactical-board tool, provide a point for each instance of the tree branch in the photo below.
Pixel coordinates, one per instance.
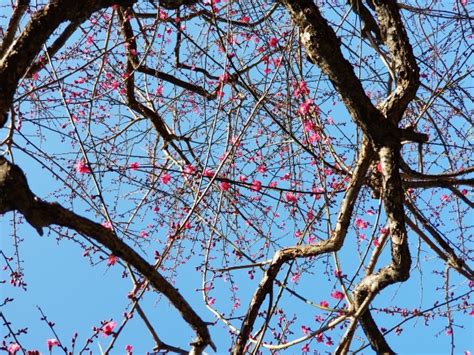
(332, 244)
(15, 194)
(21, 53)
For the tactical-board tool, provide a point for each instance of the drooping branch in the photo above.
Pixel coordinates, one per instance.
(332, 244)
(322, 46)
(453, 259)
(15, 195)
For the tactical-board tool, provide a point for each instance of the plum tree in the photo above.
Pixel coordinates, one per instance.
(281, 163)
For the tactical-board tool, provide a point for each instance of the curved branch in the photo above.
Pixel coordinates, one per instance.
(403, 60)
(15, 194)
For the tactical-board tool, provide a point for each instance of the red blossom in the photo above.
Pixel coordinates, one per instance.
(338, 295)
(82, 167)
(360, 223)
(208, 173)
(290, 197)
(165, 178)
(224, 185)
(273, 42)
(134, 166)
(256, 185)
(112, 259)
(108, 328)
(51, 343)
(324, 304)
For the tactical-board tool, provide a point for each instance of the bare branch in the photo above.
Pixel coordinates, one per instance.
(16, 195)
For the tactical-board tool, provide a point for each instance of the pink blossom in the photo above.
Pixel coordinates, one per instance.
(305, 107)
(360, 223)
(273, 184)
(107, 225)
(163, 15)
(208, 173)
(309, 126)
(108, 328)
(224, 185)
(308, 107)
(134, 166)
(256, 185)
(13, 348)
(242, 178)
(51, 343)
(262, 168)
(273, 42)
(324, 304)
(111, 260)
(305, 348)
(129, 349)
(82, 167)
(305, 329)
(295, 277)
(236, 304)
(444, 198)
(224, 78)
(464, 2)
(290, 197)
(320, 338)
(314, 138)
(189, 169)
(379, 167)
(302, 89)
(318, 191)
(338, 295)
(165, 178)
(245, 19)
